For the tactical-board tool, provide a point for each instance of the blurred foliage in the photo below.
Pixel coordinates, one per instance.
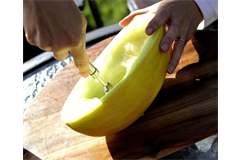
(111, 11)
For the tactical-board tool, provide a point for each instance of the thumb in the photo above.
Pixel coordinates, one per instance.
(125, 21)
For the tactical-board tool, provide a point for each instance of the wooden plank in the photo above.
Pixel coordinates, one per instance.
(184, 112)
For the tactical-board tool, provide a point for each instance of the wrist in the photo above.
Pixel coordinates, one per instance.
(201, 21)
(209, 10)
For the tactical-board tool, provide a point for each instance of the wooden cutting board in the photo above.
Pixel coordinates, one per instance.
(184, 112)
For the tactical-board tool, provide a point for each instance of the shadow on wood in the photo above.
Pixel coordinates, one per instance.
(184, 111)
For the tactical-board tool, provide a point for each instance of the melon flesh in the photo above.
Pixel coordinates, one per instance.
(133, 64)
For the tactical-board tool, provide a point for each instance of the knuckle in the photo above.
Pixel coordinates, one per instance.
(171, 35)
(174, 31)
(59, 55)
(75, 41)
(179, 44)
(175, 59)
(30, 38)
(155, 23)
(83, 67)
(168, 39)
(45, 46)
(182, 44)
(176, 25)
(165, 13)
(81, 64)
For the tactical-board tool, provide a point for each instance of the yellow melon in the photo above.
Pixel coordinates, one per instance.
(135, 67)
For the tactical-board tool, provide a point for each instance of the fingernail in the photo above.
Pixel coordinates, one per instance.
(170, 69)
(164, 47)
(149, 30)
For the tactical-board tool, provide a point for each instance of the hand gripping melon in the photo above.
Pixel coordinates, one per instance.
(136, 68)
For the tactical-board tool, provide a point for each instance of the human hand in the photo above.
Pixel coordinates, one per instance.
(57, 26)
(182, 19)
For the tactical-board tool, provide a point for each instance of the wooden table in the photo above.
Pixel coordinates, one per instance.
(184, 112)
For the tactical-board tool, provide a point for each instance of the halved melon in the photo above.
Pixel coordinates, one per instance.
(136, 68)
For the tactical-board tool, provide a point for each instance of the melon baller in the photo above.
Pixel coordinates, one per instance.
(94, 72)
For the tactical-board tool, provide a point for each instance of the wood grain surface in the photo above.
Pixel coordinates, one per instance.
(184, 112)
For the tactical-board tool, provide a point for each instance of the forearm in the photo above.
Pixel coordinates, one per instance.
(57, 26)
(209, 9)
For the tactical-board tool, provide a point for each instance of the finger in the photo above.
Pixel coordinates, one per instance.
(45, 47)
(37, 41)
(176, 55)
(81, 60)
(170, 36)
(159, 19)
(153, 8)
(125, 21)
(60, 54)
